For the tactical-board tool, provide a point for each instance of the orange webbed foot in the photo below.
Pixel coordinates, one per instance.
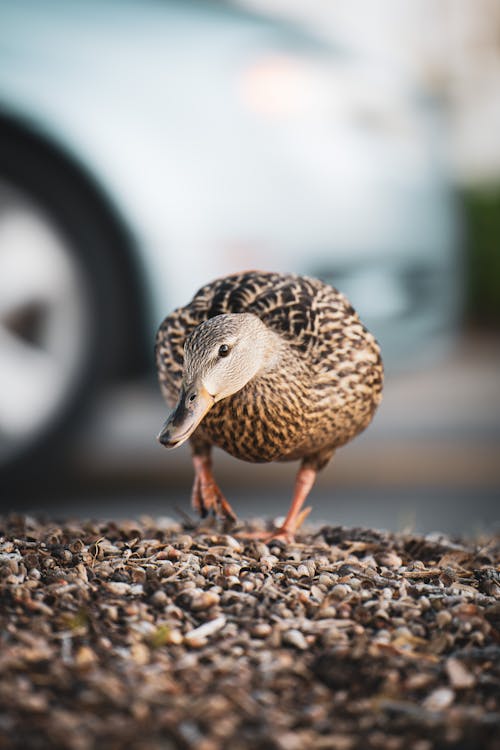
(285, 533)
(206, 496)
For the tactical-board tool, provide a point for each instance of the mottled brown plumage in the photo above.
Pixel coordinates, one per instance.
(319, 386)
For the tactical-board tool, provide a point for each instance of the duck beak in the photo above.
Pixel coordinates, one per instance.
(193, 404)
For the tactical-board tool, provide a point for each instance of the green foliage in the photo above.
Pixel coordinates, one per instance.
(482, 216)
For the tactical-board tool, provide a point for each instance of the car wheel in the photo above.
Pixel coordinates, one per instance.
(60, 303)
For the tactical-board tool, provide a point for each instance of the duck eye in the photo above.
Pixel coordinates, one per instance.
(223, 350)
(192, 397)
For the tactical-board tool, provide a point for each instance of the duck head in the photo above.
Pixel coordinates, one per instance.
(221, 356)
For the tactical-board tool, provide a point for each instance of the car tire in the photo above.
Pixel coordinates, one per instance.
(94, 260)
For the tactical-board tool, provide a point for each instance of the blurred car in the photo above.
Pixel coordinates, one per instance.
(147, 147)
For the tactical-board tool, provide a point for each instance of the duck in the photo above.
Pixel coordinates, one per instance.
(267, 366)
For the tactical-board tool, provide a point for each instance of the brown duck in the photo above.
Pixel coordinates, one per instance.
(269, 367)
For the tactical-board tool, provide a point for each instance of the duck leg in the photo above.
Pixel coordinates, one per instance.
(296, 515)
(206, 496)
(304, 482)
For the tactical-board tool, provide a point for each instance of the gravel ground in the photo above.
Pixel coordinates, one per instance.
(147, 635)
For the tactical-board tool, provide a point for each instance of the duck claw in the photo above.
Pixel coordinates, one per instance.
(206, 496)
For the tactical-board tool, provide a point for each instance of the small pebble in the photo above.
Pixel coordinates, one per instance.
(459, 676)
(159, 598)
(326, 579)
(439, 699)
(231, 569)
(204, 600)
(184, 541)
(205, 630)
(118, 588)
(390, 560)
(85, 657)
(443, 618)
(261, 630)
(295, 638)
(341, 590)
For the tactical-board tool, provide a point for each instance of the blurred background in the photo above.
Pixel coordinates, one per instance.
(148, 147)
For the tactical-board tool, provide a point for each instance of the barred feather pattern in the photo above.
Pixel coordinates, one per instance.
(324, 391)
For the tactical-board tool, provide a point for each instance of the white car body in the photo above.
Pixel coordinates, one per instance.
(224, 141)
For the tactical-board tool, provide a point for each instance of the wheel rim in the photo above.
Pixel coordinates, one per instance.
(44, 332)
